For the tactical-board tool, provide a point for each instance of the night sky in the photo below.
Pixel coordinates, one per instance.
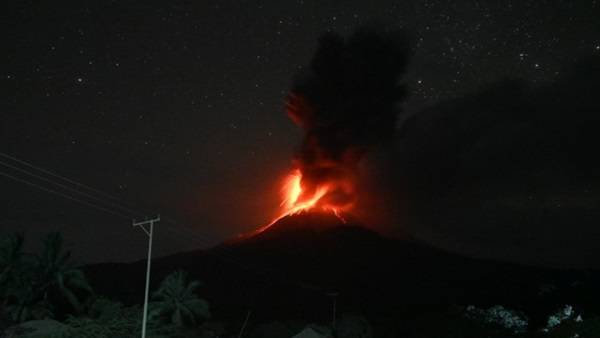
(178, 108)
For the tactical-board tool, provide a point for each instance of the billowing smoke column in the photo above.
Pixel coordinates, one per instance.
(347, 102)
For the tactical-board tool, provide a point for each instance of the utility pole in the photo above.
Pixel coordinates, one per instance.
(148, 227)
(334, 296)
(245, 323)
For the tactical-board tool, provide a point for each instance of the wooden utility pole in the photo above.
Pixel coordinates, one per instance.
(149, 231)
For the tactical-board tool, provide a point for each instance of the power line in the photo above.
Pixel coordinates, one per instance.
(197, 239)
(221, 253)
(66, 187)
(188, 234)
(64, 195)
(195, 236)
(71, 189)
(58, 176)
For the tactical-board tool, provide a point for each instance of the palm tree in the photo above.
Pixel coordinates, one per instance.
(24, 304)
(56, 273)
(175, 299)
(11, 254)
(18, 282)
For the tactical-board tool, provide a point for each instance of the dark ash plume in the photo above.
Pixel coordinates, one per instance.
(347, 102)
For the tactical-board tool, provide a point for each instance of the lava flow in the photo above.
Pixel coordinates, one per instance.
(298, 199)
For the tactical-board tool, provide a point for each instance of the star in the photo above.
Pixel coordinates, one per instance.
(202, 72)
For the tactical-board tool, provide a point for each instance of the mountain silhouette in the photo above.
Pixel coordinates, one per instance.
(294, 267)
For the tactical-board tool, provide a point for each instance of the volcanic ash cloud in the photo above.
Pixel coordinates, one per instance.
(347, 102)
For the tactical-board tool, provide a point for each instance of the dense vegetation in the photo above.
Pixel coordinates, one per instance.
(43, 294)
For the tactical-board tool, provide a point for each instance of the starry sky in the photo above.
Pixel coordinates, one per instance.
(177, 107)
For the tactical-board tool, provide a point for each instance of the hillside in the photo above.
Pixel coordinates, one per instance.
(292, 268)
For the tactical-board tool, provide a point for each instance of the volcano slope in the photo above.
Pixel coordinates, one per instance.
(293, 268)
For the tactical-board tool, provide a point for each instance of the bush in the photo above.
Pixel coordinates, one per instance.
(458, 324)
(125, 322)
(566, 323)
(108, 318)
(500, 316)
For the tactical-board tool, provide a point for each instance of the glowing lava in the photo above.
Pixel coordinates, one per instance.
(298, 199)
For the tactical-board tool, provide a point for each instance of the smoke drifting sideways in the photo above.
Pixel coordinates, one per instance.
(347, 102)
(509, 171)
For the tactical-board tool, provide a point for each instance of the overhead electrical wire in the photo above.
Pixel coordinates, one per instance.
(197, 239)
(73, 190)
(58, 176)
(117, 210)
(95, 206)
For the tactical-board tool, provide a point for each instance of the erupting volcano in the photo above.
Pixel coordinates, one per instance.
(297, 199)
(347, 103)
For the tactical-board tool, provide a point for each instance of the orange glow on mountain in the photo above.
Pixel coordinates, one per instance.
(298, 198)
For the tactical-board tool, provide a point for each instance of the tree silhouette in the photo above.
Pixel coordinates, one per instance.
(56, 273)
(176, 300)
